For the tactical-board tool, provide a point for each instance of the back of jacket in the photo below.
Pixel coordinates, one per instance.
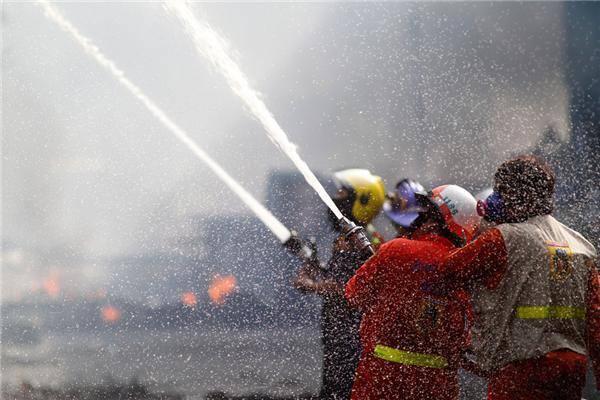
(400, 309)
(539, 305)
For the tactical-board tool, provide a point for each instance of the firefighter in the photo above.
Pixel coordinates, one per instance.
(359, 197)
(401, 206)
(535, 290)
(412, 336)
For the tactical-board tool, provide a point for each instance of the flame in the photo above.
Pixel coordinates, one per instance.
(51, 285)
(189, 299)
(110, 314)
(220, 288)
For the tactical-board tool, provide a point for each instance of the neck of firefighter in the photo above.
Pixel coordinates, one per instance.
(428, 227)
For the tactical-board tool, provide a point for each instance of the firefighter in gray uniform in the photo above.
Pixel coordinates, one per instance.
(535, 291)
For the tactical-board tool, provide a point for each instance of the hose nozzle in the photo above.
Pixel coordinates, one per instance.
(356, 237)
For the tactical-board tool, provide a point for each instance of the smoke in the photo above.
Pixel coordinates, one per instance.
(440, 92)
(265, 216)
(214, 47)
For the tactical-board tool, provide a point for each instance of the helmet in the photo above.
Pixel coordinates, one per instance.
(401, 205)
(360, 194)
(457, 210)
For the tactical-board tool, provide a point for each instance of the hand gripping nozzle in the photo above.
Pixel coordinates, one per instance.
(306, 252)
(356, 237)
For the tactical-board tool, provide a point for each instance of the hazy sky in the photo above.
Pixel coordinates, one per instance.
(441, 92)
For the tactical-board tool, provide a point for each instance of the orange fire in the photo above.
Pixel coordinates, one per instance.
(220, 288)
(189, 299)
(51, 285)
(110, 314)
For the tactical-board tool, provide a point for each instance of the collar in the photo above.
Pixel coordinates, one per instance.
(430, 237)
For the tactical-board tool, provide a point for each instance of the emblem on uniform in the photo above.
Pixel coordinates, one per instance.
(561, 261)
(430, 315)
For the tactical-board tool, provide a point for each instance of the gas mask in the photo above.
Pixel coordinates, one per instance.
(492, 208)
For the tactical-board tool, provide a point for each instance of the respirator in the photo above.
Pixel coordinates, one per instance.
(492, 208)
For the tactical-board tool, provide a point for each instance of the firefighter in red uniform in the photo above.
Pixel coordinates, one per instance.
(535, 291)
(412, 337)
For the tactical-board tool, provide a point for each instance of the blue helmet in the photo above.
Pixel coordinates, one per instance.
(402, 205)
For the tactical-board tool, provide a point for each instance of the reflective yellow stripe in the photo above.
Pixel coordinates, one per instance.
(409, 358)
(550, 312)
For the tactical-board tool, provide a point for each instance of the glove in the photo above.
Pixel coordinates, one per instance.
(306, 251)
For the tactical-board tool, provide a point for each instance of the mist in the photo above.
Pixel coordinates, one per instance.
(438, 92)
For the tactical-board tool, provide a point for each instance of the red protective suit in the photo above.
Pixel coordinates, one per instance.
(557, 375)
(411, 336)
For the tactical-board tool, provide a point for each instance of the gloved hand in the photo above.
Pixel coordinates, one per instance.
(307, 282)
(306, 251)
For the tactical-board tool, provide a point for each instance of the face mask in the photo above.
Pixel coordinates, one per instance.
(492, 208)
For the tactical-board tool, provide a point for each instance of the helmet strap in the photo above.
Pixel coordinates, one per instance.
(434, 214)
(456, 240)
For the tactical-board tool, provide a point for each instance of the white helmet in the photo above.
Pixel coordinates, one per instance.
(458, 208)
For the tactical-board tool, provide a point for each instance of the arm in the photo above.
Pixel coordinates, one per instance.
(312, 278)
(483, 260)
(361, 290)
(309, 279)
(592, 320)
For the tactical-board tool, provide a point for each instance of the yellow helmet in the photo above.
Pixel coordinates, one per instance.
(360, 194)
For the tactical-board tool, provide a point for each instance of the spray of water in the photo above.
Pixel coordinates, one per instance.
(282, 233)
(212, 46)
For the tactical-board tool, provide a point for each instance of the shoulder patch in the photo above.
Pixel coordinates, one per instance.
(561, 260)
